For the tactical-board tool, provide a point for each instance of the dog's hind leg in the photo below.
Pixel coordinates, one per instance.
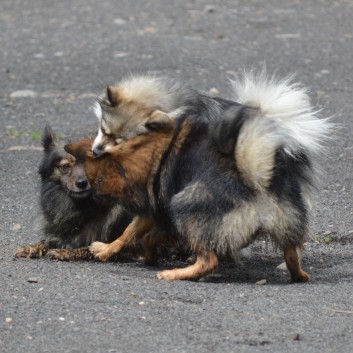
(33, 250)
(206, 262)
(156, 244)
(134, 231)
(293, 262)
(79, 254)
(151, 254)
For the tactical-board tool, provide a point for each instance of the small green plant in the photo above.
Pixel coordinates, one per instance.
(14, 133)
(326, 239)
(36, 135)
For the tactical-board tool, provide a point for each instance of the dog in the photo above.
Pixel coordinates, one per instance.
(212, 173)
(72, 217)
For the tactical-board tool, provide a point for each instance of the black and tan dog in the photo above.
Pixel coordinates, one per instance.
(208, 172)
(71, 217)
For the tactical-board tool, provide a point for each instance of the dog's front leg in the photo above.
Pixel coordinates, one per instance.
(134, 231)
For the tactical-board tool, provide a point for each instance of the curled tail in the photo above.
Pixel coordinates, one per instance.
(272, 127)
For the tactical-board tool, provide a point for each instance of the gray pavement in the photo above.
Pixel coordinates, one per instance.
(55, 57)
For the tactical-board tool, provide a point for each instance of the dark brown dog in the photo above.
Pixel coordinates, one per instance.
(126, 175)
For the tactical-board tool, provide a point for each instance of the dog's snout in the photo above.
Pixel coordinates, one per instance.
(98, 151)
(82, 183)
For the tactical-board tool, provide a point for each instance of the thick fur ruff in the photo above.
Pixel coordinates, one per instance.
(139, 104)
(211, 172)
(71, 217)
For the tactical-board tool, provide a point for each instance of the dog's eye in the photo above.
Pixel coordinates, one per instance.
(104, 132)
(65, 167)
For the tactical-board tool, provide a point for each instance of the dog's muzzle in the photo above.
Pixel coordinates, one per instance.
(98, 151)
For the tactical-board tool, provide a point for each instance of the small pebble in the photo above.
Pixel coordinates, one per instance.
(119, 21)
(261, 282)
(214, 92)
(8, 320)
(33, 280)
(295, 337)
(16, 227)
(23, 94)
(282, 267)
(209, 9)
(218, 36)
(120, 55)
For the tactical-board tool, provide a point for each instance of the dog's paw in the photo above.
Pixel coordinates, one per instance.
(100, 250)
(304, 277)
(301, 277)
(32, 251)
(23, 251)
(167, 274)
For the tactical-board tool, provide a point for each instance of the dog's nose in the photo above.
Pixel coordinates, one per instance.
(97, 151)
(82, 183)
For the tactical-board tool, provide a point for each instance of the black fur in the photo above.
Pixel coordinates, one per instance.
(70, 221)
(225, 133)
(198, 184)
(215, 183)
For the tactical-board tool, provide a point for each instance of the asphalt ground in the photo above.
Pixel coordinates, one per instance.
(56, 56)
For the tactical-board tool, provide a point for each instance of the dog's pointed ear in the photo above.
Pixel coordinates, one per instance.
(48, 139)
(158, 121)
(113, 96)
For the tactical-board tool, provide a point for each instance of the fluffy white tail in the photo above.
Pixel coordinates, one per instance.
(283, 118)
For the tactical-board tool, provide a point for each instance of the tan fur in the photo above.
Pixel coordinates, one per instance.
(264, 213)
(206, 262)
(135, 230)
(67, 172)
(33, 250)
(130, 109)
(140, 158)
(125, 108)
(255, 153)
(42, 248)
(293, 262)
